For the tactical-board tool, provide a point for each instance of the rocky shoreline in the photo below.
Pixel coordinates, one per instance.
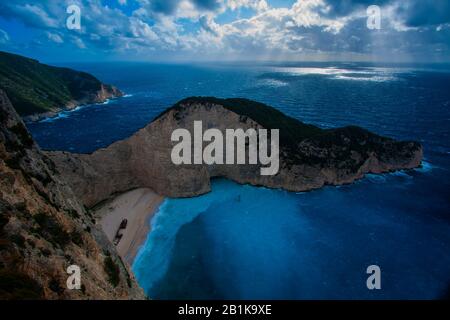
(106, 93)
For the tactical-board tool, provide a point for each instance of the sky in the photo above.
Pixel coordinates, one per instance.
(228, 30)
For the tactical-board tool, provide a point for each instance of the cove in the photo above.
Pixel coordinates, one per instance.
(244, 242)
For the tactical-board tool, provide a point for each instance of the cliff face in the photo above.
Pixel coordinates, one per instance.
(309, 157)
(37, 90)
(44, 228)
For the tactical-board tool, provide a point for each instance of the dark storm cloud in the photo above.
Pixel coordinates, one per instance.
(38, 15)
(344, 7)
(207, 4)
(422, 13)
(414, 13)
(164, 6)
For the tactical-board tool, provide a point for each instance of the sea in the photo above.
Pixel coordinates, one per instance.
(245, 242)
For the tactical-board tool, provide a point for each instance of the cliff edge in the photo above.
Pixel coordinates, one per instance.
(310, 157)
(44, 228)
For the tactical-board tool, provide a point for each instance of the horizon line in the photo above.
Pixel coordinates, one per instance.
(232, 61)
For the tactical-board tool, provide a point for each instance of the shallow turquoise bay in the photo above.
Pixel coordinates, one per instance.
(244, 242)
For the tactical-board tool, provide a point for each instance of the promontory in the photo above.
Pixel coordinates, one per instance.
(310, 157)
(38, 90)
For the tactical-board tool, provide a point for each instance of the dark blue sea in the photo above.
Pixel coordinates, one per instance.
(243, 242)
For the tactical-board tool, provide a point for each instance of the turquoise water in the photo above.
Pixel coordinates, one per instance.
(243, 242)
(246, 242)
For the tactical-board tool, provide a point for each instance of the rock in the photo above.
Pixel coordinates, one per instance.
(310, 157)
(44, 228)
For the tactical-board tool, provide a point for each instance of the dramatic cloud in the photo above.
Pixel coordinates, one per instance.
(423, 13)
(32, 14)
(231, 29)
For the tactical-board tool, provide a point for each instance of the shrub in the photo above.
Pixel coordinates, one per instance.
(13, 162)
(18, 286)
(51, 230)
(45, 252)
(55, 286)
(31, 243)
(18, 239)
(23, 135)
(73, 213)
(129, 283)
(77, 238)
(4, 218)
(21, 206)
(113, 271)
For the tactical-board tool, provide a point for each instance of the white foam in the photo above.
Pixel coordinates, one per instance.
(60, 115)
(274, 83)
(426, 167)
(376, 178)
(401, 173)
(66, 113)
(107, 101)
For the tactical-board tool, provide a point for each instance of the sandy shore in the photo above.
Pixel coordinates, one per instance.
(137, 206)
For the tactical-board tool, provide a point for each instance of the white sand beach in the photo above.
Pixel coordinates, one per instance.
(138, 207)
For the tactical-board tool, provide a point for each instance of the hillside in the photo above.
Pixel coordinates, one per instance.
(292, 131)
(44, 228)
(35, 88)
(270, 118)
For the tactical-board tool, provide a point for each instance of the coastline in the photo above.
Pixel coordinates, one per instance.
(138, 206)
(50, 115)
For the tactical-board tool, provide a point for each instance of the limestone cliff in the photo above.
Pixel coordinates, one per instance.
(44, 228)
(310, 157)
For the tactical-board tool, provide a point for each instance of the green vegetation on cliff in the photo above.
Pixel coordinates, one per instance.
(305, 143)
(34, 87)
(269, 117)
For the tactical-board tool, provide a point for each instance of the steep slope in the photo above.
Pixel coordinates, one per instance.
(35, 88)
(44, 228)
(309, 156)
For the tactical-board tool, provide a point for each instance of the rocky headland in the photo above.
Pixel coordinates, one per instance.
(310, 157)
(39, 91)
